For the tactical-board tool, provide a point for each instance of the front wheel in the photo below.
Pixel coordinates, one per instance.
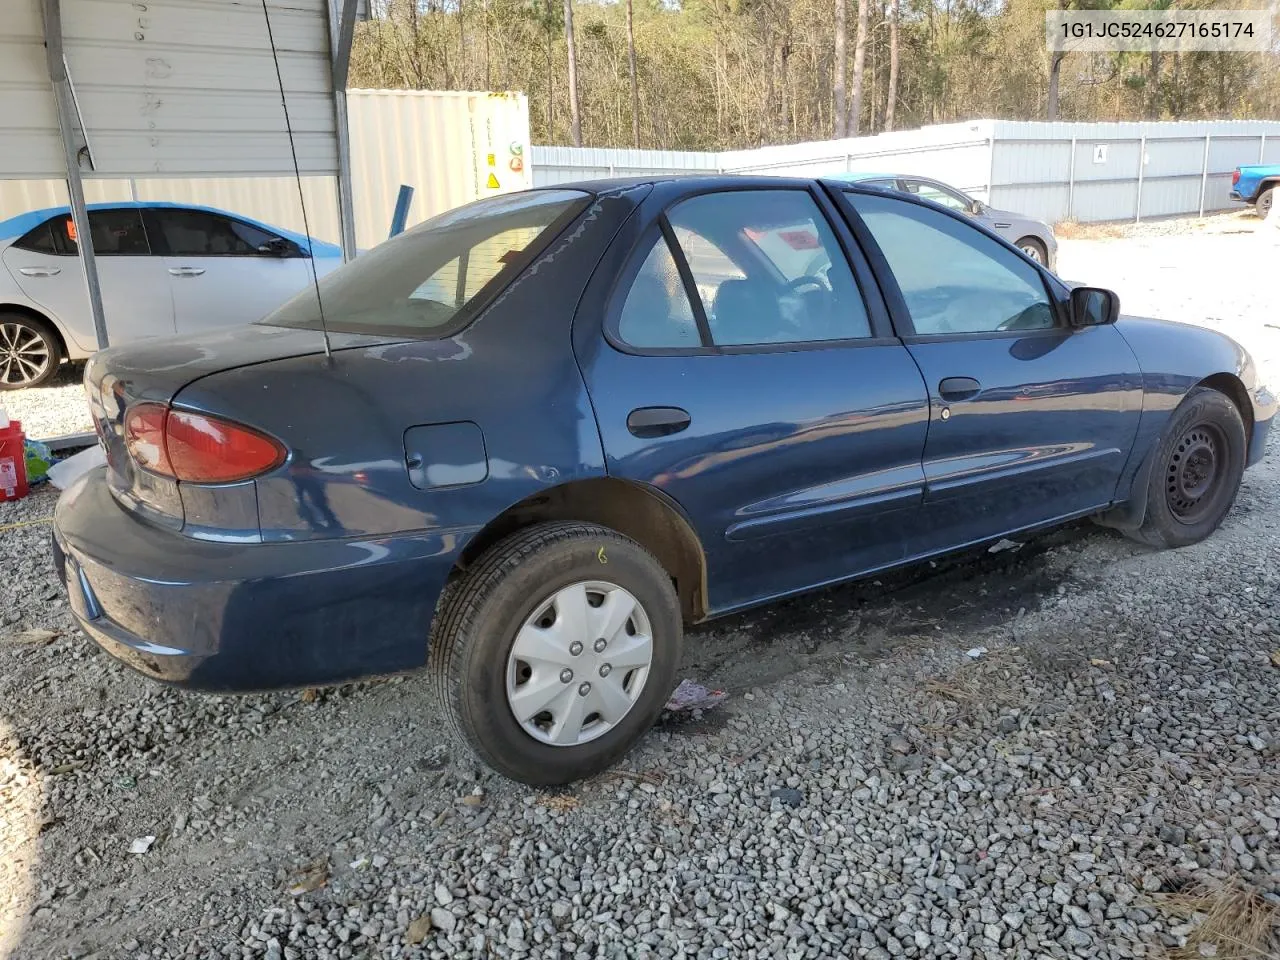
(556, 651)
(1197, 472)
(1034, 249)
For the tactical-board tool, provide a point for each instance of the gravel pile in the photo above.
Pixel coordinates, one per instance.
(1064, 750)
(55, 410)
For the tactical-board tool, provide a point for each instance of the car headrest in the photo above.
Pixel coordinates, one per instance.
(746, 311)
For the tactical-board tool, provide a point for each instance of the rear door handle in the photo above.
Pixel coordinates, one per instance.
(959, 388)
(186, 271)
(39, 271)
(649, 422)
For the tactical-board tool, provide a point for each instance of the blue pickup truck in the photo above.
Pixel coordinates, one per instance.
(1257, 185)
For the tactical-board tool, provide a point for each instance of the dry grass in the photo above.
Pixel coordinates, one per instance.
(993, 682)
(1074, 230)
(1234, 922)
(558, 802)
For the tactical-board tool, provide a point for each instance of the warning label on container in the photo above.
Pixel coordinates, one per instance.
(492, 183)
(8, 477)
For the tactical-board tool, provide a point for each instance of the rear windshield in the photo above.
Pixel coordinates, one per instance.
(430, 280)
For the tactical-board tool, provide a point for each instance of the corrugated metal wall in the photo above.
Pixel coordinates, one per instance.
(552, 165)
(172, 87)
(1122, 171)
(959, 153)
(1053, 171)
(35, 146)
(441, 144)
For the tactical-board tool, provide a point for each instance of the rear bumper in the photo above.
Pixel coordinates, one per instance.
(1235, 195)
(238, 617)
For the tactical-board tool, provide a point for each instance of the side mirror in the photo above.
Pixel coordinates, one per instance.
(977, 208)
(1093, 307)
(279, 247)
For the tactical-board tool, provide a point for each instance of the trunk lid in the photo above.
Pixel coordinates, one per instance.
(155, 370)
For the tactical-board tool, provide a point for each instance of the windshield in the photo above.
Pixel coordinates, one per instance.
(428, 281)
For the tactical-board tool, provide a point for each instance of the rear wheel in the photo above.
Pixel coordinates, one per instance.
(1263, 204)
(1197, 472)
(1034, 249)
(556, 651)
(29, 351)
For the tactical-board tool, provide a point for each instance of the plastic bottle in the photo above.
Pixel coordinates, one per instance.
(13, 459)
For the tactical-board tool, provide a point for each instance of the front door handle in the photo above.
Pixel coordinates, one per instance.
(959, 388)
(39, 271)
(185, 271)
(647, 422)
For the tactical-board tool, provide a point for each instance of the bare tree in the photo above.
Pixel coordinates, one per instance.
(892, 99)
(575, 113)
(635, 83)
(1055, 74)
(839, 69)
(859, 62)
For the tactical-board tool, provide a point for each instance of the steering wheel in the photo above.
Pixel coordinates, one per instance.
(801, 282)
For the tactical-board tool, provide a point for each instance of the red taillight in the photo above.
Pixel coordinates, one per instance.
(1235, 176)
(197, 447)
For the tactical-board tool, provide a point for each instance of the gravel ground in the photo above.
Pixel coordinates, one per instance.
(1101, 782)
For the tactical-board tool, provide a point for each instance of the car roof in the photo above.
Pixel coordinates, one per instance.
(699, 182)
(856, 176)
(23, 222)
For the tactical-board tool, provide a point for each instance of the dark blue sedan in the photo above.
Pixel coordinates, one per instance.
(548, 429)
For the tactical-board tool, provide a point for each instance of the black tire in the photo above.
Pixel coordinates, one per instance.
(16, 331)
(1034, 249)
(1205, 439)
(482, 611)
(1263, 204)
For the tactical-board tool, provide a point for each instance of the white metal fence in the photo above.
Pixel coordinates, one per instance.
(1054, 171)
(442, 143)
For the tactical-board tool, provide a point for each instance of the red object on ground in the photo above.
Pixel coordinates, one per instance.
(13, 462)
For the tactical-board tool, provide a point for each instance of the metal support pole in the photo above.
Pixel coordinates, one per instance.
(991, 167)
(1071, 179)
(401, 215)
(342, 25)
(1204, 172)
(1142, 163)
(1262, 149)
(64, 95)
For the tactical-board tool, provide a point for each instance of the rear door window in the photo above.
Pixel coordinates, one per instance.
(657, 313)
(116, 233)
(200, 233)
(39, 239)
(768, 268)
(431, 279)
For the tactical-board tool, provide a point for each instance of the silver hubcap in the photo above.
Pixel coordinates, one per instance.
(24, 357)
(579, 663)
(1032, 251)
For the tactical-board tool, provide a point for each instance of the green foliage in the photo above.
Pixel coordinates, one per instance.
(717, 74)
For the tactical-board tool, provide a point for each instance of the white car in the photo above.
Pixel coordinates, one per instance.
(164, 269)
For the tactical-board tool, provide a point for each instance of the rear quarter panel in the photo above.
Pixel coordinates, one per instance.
(1252, 180)
(512, 373)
